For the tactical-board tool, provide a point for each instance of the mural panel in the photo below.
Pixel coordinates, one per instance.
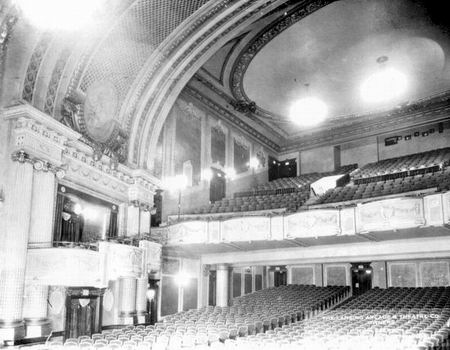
(390, 214)
(312, 223)
(303, 275)
(188, 141)
(188, 232)
(246, 229)
(241, 152)
(433, 210)
(435, 273)
(336, 275)
(218, 145)
(403, 275)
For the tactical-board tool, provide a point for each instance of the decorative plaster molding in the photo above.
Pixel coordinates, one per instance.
(226, 115)
(42, 140)
(262, 39)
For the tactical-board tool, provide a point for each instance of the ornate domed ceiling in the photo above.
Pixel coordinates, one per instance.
(246, 59)
(332, 51)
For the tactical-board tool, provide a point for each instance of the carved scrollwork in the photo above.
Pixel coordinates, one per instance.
(244, 106)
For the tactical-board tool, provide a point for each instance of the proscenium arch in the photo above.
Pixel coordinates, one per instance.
(157, 95)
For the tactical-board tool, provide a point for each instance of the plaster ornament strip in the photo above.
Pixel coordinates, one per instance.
(34, 66)
(53, 85)
(263, 38)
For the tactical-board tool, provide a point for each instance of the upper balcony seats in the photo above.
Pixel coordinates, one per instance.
(286, 193)
(439, 179)
(402, 166)
(290, 201)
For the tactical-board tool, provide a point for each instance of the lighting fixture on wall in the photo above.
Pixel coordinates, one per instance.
(2, 197)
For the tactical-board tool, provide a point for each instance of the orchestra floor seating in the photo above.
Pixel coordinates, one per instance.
(295, 317)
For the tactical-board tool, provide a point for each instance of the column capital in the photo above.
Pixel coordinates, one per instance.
(223, 267)
(21, 156)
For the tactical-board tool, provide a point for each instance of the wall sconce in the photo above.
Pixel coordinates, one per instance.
(2, 197)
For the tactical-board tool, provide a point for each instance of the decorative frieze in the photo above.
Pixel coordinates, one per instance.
(384, 215)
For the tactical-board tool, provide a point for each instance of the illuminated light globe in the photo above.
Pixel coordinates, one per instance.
(60, 14)
(383, 86)
(308, 111)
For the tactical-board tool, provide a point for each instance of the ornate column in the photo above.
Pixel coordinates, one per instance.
(222, 280)
(41, 227)
(141, 299)
(133, 214)
(127, 299)
(14, 243)
(145, 219)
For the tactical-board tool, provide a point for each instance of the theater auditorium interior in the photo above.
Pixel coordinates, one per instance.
(224, 174)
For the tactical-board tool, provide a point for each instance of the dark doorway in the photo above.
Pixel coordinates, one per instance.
(280, 169)
(153, 301)
(212, 288)
(83, 311)
(361, 278)
(217, 189)
(280, 276)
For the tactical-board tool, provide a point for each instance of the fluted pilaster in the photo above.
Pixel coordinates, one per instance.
(141, 295)
(133, 220)
(41, 227)
(127, 296)
(14, 241)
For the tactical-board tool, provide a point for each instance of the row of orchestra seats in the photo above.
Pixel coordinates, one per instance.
(295, 317)
(439, 180)
(405, 164)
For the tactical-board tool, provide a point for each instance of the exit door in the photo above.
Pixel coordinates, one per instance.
(217, 186)
(361, 278)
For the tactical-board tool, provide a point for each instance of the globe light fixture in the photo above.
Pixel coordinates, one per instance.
(68, 15)
(386, 84)
(308, 111)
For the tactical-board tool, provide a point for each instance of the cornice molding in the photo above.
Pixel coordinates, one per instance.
(422, 112)
(50, 145)
(224, 114)
(220, 91)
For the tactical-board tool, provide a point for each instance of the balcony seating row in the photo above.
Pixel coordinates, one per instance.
(291, 201)
(439, 180)
(405, 164)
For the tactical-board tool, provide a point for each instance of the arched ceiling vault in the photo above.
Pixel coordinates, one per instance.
(145, 52)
